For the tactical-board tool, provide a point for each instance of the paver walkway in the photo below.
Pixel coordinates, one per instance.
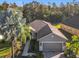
(25, 51)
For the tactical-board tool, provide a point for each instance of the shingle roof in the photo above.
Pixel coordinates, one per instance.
(41, 28)
(44, 28)
(37, 25)
(72, 21)
(55, 30)
(44, 31)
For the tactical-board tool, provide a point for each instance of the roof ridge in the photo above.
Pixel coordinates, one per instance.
(55, 30)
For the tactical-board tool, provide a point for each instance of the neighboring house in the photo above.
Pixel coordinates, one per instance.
(49, 38)
(71, 25)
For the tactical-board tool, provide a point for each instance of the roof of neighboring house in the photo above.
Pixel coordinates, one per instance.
(44, 28)
(72, 21)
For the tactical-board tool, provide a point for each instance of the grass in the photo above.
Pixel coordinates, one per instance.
(5, 48)
(5, 51)
(4, 44)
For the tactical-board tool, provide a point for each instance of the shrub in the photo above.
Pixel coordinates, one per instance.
(69, 53)
(72, 47)
(2, 41)
(39, 55)
(58, 26)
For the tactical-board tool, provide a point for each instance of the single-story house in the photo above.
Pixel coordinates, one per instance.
(49, 37)
(71, 25)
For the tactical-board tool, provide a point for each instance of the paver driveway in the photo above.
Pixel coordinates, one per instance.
(53, 55)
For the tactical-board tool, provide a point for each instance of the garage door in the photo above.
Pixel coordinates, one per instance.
(52, 46)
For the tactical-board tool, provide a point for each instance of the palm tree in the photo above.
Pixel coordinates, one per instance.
(74, 1)
(74, 6)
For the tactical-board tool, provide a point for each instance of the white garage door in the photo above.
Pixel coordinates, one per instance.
(52, 46)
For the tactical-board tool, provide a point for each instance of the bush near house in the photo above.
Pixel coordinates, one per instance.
(34, 48)
(58, 26)
(72, 47)
(39, 55)
(24, 33)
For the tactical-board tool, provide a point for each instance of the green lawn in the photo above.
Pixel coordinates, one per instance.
(5, 51)
(5, 48)
(4, 44)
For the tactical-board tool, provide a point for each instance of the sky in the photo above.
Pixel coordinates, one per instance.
(21, 2)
